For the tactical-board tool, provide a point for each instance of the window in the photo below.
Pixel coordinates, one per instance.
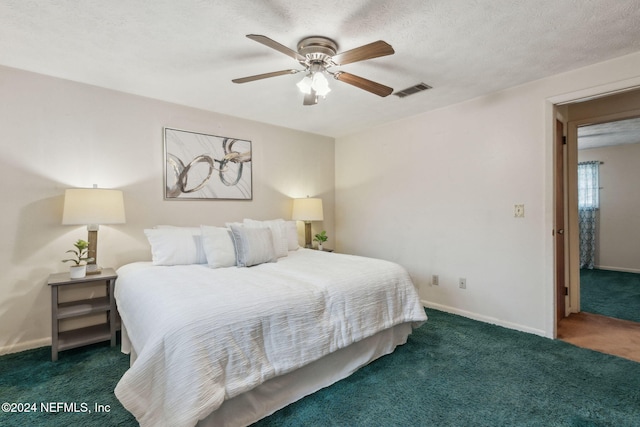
(588, 185)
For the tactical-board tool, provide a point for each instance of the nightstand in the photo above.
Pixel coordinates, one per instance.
(88, 335)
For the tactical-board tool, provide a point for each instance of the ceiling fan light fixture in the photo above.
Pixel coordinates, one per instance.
(320, 84)
(315, 81)
(305, 85)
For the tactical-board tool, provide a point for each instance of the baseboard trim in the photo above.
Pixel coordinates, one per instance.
(27, 345)
(621, 269)
(483, 318)
(42, 342)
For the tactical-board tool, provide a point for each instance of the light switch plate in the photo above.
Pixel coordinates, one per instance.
(518, 211)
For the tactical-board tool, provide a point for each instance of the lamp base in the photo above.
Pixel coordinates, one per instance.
(92, 239)
(307, 235)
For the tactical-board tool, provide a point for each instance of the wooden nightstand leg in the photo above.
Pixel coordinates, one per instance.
(54, 323)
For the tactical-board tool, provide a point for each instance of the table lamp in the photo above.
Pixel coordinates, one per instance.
(307, 210)
(92, 207)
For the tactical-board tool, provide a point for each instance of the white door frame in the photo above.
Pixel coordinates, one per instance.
(550, 123)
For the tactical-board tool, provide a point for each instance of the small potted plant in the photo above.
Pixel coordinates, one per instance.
(320, 238)
(79, 269)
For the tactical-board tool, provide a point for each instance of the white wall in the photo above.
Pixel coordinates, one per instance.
(58, 134)
(618, 241)
(436, 193)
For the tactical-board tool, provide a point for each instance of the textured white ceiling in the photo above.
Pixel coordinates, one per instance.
(188, 51)
(611, 133)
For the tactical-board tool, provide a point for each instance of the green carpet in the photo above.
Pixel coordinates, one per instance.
(453, 372)
(610, 293)
(87, 375)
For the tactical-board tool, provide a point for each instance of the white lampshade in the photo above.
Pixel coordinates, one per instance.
(307, 209)
(88, 206)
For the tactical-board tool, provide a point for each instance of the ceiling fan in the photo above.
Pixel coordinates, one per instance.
(317, 55)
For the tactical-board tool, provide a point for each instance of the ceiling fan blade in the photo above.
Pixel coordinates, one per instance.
(369, 51)
(264, 76)
(362, 83)
(310, 98)
(277, 46)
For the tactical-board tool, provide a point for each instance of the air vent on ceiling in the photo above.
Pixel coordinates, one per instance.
(413, 89)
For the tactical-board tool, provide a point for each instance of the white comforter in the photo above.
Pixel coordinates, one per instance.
(205, 335)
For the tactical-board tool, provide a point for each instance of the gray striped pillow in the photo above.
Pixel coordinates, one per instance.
(253, 245)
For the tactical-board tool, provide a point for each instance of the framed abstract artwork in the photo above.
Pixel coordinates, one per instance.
(198, 166)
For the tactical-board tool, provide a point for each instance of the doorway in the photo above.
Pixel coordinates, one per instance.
(600, 119)
(608, 155)
(575, 115)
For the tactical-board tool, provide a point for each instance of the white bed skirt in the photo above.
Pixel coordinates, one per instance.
(279, 392)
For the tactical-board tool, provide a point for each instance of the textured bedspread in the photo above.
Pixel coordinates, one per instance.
(204, 335)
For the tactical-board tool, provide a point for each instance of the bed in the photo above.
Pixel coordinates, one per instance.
(227, 345)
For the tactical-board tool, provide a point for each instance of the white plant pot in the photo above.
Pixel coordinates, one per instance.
(78, 271)
(319, 246)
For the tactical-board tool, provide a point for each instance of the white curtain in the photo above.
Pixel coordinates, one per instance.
(588, 205)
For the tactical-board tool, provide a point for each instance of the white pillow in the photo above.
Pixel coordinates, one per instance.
(279, 231)
(176, 245)
(229, 224)
(218, 246)
(201, 257)
(253, 245)
(292, 235)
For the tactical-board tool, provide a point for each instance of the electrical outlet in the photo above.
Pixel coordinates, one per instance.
(518, 211)
(435, 281)
(462, 283)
